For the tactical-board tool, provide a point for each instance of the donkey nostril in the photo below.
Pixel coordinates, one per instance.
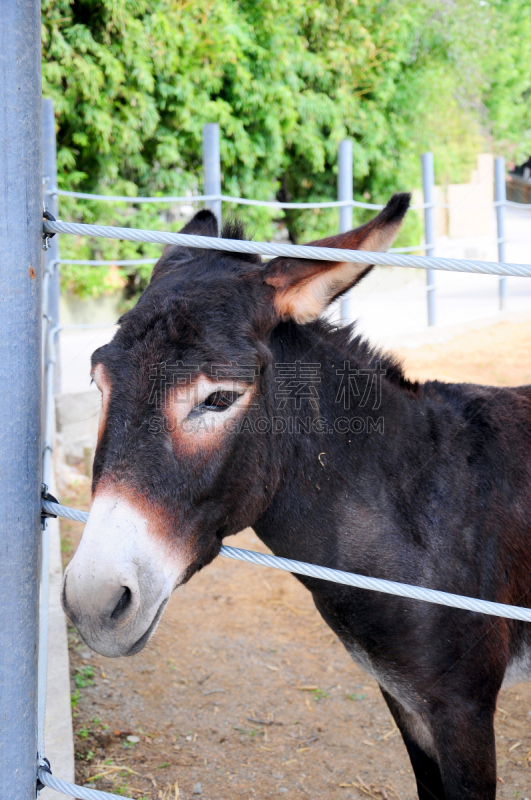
(123, 603)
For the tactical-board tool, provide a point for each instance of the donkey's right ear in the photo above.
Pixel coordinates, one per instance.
(303, 287)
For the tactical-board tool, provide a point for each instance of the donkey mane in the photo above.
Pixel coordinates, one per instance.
(234, 228)
(355, 345)
(347, 345)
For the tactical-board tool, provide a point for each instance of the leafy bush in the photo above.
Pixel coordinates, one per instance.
(134, 81)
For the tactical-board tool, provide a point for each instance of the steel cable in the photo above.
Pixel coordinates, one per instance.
(346, 578)
(295, 251)
(209, 198)
(79, 792)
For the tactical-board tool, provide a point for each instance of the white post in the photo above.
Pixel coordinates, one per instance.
(51, 259)
(212, 167)
(500, 198)
(345, 192)
(428, 181)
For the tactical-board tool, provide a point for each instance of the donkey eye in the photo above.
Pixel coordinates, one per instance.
(217, 401)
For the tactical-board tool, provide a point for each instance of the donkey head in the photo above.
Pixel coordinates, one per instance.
(179, 464)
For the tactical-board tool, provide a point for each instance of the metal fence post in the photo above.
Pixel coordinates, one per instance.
(428, 181)
(212, 167)
(344, 192)
(49, 165)
(500, 199)
(20, 391)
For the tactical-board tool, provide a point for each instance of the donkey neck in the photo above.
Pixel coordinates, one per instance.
(334, 400)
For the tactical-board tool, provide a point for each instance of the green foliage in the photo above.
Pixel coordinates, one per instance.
(83, 677)
(356, 696)
(506, 88)
(122, 789)
(134, 81)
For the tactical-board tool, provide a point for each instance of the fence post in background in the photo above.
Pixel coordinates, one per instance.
(49, 166)
(212, 167)
(345, 192)
(500, 199)
(428, 181)
(20, 391)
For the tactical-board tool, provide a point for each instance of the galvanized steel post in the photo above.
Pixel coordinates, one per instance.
(49, 166)
(500, 199)
(212, 167)
(344, 192)
(428, 181)
(20, 391)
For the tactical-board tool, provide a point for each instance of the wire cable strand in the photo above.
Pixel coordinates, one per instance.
(295, 251)
(96, 262)
(226, 198)
(79, 792)
(346, 578)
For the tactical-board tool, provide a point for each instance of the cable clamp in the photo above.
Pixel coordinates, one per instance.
(45, 495)
(47, 236)
(44, 764)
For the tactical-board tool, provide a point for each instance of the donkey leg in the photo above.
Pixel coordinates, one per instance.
(426, 769)
(464, 737)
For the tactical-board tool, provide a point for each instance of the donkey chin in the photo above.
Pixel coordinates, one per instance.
(118, 583)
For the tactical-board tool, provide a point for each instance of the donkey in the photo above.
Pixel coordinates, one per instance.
(227, 402)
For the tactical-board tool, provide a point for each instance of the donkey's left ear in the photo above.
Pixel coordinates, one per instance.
(304, 287)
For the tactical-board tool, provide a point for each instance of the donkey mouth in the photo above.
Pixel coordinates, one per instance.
(141, 643)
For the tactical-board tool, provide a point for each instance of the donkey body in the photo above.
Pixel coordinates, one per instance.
(227, 402)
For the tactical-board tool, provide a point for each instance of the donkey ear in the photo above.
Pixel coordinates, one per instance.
(204, 223)
(304, 287)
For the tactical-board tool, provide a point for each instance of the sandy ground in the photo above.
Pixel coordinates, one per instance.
(499, 356)
(245, 693)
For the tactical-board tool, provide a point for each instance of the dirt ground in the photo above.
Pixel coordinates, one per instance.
(245, 693)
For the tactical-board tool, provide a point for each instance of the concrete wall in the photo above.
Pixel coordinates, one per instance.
(77, 423)
(470, 212)
(58, 736)
(75, 310)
